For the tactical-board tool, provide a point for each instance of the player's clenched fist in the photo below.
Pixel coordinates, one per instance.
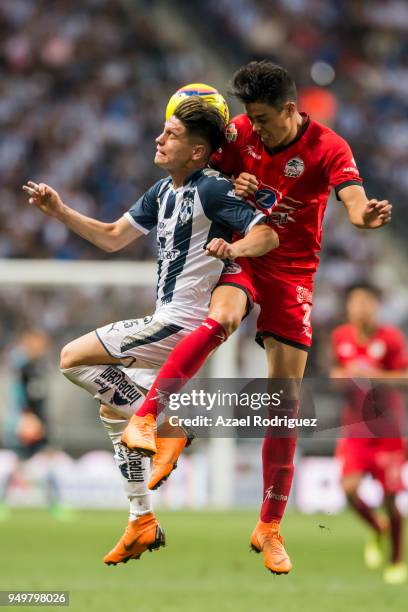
(245, 185)
(217, 247)
(44, 197)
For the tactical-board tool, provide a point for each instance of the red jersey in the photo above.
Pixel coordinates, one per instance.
(294, 182)
(385, 350)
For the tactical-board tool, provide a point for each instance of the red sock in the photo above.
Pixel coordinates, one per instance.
(278, 468)
(277, 463)
(183, 362)
(365, 512)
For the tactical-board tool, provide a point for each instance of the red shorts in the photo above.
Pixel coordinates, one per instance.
(285, 298)
(382, 458)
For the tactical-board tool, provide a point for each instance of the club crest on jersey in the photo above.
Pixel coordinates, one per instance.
(187, 206)
(231, 132)
(294, 167)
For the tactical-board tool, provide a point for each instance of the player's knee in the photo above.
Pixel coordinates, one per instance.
(229, 320)
(231, 324)
(68, 357)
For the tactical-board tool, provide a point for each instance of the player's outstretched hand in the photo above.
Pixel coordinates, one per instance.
(245, 185)
(219, 248)
(377, 213)
(44, 197)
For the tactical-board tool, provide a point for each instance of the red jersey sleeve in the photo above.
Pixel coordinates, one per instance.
(396, 357)
(340, 166)
(227, 158)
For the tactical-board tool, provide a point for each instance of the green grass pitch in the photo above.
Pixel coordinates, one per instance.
(206, 565)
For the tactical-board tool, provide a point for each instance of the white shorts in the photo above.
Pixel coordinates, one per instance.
(141, 343)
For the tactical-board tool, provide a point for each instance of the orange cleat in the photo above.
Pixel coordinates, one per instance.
(140, 535)
(139, 435)
(266, 538)
(170, 441)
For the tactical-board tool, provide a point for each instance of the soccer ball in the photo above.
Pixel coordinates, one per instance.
(206, 92)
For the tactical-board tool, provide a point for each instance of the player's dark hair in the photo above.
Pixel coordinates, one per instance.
(202, 120)
(364, 286)
(263, 82)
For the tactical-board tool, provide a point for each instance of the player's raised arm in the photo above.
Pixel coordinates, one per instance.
(362, 212)
(109, 237)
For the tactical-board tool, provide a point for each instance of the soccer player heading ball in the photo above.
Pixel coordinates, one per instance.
(196, 211)
(285, 163)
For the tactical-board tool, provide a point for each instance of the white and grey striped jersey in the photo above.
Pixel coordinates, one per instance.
(187, 218)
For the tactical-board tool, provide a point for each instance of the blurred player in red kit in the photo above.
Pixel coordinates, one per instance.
(285, 164)
(363, 348)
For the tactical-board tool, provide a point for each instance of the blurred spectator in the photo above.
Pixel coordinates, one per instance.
(25, 430)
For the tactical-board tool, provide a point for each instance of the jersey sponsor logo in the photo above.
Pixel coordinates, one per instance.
(232, 268)
(231, 132)
(115, 380)
(351, 169)
(250, 150)
(294, 167)
(168, 254)
(131, 464)
(274, 204)
(265, 198)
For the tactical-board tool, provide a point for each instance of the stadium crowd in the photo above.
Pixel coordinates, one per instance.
(84, 86)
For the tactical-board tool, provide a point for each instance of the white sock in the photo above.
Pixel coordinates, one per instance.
(109, 384)
(134, 470)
